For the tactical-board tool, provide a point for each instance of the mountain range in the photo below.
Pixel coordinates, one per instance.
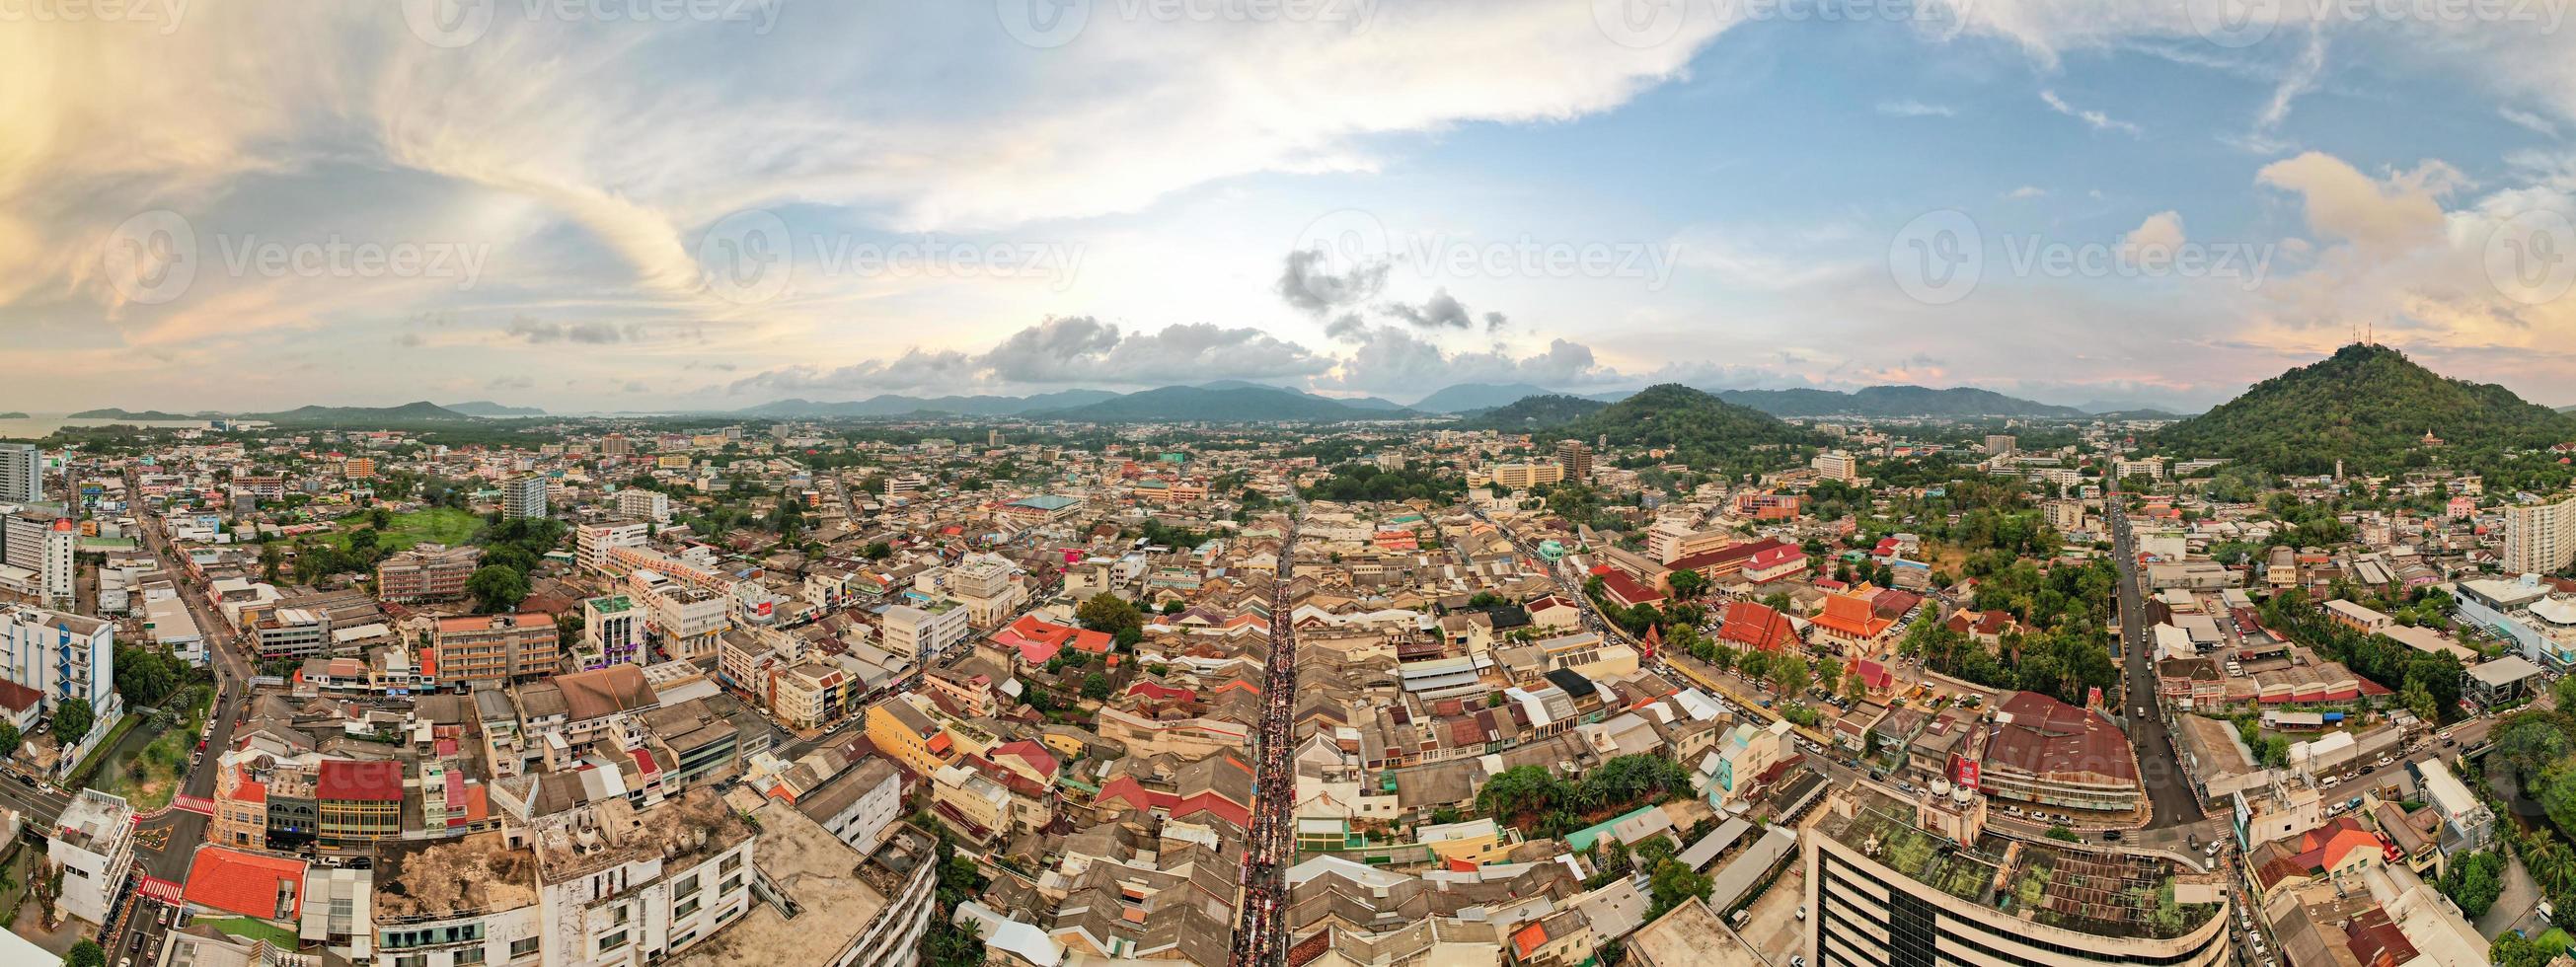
(1469, 397)
(421, 411)
(1533, 413)
(1226, 403)
(891, 404)
(2368, 406)
(489, 408)
(1695, 427)
(112, 413)
(1868, 401)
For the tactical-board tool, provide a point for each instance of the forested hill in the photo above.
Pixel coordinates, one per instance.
(2370, 406)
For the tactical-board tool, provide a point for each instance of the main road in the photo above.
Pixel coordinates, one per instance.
(2169, 792)
(180, 830)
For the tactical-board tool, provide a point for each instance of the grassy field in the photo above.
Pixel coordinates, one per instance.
(249, 929)
(436, 525)
(152, 775)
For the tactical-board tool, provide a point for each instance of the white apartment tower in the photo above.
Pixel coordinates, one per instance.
(524, 496)
(2539, 538)
(22, 473)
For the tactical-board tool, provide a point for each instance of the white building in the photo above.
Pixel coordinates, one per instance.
(22, 473)
(621, 886)
(64, 657)
(2539, 538)
(455, 902)
(642, 504)
(921, 633)
(524, 496)
(94, 844)
(859, 805)
(36, 555)
(685, 620)
(1836, 465)
(591, 542)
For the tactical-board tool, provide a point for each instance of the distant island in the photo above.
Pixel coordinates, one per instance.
(12, 416)
(112, 413)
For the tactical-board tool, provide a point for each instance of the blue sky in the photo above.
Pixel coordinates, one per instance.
(606, 205)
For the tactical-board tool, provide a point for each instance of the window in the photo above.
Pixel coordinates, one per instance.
(731, 884)
(469, 955)
(525, 948)
(688, 885)
(412, 960)
(622, 914)
(612, 941)
(730, 864)
(685, 908)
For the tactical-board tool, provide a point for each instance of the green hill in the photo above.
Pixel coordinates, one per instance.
(1698, 429)
(1533, 413)
(373, 416)
(2370, 407)
(1229, 404)
(112, 413)
(1894, 401)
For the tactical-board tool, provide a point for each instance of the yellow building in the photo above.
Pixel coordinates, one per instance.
(910, 735)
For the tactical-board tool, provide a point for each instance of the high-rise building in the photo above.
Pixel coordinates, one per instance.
(642, 504)
(616, 445)
(2539, 538)
(22, 473)
(591, 542)
(1917, 882)
(494, 648)
(63, 657)
(1519, 475)
(524, 496)
(2002, 443)
(426, 573)
(1576, 457)
(1836, 465)
(36, 556)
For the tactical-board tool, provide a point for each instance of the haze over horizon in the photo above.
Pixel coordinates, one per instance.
(846, 200)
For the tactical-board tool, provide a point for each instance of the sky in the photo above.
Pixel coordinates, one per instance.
(709, 204)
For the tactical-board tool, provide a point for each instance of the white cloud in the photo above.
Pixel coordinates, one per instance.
(1916, 109)
(2094, 119)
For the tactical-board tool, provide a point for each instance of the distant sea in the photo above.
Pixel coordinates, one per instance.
(37, 425)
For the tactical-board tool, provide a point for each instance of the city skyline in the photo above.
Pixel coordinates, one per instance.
(394, 206)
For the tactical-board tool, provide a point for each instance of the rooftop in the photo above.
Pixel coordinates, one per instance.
(2110, 894)
(831, 892)
(682, 830)
(444, 879)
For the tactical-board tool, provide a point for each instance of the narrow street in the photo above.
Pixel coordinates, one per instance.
(1259, 940)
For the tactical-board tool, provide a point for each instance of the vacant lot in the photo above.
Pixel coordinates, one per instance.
(437, 525)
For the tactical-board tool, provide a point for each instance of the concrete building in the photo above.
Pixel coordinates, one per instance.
(921, 633)
(1836, 465)
(2539, 538)
(427, 572)
(36, 548)
(621, 886)
(524, 496)
(641, 504)
(824, 903)
(492, 648)
(94, 844)
(1516, 476)
(612, 631)
(456, 902)
(1914, 883)
(22, 473)
(592, 541)
(63, 657)
(1576, 457)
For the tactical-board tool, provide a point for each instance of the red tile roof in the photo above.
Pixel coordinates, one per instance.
(250, 884)
(1756, 625)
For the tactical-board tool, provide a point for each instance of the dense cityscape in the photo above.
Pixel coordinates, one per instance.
(1674, 680)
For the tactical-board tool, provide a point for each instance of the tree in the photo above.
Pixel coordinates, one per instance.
(1687, 584)
(1110, 613)
(9, 739)
(145, 676)
(271, 558)
(73, 719)
(1672, 885)
(86, 953)
(497, 588)
(1095, 686)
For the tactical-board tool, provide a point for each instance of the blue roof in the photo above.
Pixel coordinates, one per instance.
(1044, 502)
